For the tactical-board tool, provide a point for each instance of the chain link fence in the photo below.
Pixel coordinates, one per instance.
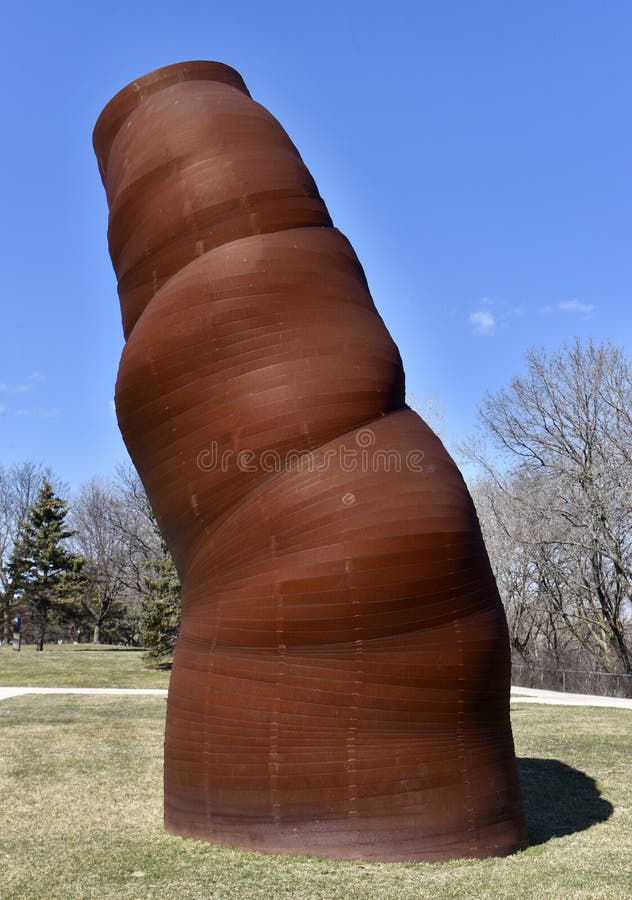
(576, 681)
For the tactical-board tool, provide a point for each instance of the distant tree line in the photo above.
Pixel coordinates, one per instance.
(553, 490)
(89, 569)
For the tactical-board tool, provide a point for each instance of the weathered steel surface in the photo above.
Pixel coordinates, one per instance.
(341, 681)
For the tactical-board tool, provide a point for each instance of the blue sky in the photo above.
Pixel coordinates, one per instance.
(477, 155)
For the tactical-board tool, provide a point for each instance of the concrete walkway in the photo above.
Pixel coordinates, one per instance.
(518, 695)
(535, 695)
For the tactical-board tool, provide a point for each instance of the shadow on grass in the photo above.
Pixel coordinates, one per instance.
(558, 799)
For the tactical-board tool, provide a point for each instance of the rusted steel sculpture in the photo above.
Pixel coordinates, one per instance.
(341, 681)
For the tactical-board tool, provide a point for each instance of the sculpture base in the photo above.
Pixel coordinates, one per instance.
(389, 839)
(284, 754)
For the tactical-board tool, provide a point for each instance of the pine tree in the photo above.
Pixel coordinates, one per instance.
(46, 575)
(160, 611)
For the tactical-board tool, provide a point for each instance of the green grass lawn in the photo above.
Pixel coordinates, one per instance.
(80, 782)
(78, 665)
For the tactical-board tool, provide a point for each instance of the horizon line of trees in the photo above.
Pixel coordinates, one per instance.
(552, 487)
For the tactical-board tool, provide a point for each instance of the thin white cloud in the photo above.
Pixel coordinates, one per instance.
(37, 412)
(22, 388)
(484, 322)
(576, 306)
(570, 306)
(494, 313)
(28, 386)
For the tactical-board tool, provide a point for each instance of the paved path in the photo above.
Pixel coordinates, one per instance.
(518, 695)
(6, 692)
(535, 695)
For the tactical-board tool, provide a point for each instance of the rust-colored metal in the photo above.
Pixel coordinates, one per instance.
(341, 681)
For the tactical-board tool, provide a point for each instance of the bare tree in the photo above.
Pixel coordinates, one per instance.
(559, 476)
(513, 565)
(137, 525)
(155, 572)
(93, 518)
(117, 536)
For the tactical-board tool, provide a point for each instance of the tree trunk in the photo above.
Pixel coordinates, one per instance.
(43, 616)
(96, 636)
(6, 617)
(622, 650)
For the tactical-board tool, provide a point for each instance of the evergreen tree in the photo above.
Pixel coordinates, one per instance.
(19, 484)
(46, 575)
(160, 611)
